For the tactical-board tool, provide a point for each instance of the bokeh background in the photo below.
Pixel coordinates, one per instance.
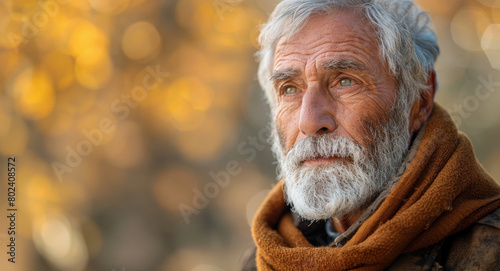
(111, 176)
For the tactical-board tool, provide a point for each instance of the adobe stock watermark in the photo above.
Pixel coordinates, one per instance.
(220, 180)
(224, 6)
(121, 107)
(471, 103)
(31, 26)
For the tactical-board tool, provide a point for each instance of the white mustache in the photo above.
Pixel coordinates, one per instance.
(324, 146)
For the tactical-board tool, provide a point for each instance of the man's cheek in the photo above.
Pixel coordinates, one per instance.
(281, 135)
(287, 128)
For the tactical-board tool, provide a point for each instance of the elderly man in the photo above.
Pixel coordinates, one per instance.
(374, 174)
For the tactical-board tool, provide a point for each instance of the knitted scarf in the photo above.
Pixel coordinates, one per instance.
(443, 191)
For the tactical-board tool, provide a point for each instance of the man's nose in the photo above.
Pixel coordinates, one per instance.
(317, 112)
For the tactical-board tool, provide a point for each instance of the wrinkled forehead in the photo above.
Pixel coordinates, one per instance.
(341, 34)
(335, 22)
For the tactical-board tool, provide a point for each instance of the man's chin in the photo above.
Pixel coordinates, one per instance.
(319, 215)
(324, 203)
(322, 209)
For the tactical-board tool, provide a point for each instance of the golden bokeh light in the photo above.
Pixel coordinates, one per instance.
(14, 137)
(82, 5)
(219, 41)
(57, 123)
(12, 64)
(222, 71)
(62, 244)
(58, 64)
(197, 16)
(216, 129)
(109, 6)
(84, 36)
(241, 24)
(93, 68)
(190, 59)
(54, 36)
(6, 125)
(495, 14)
(140, 40)
(468, 26)
(135, 3)
(43, 193)
(77, 99)
(5, 28)
(491, 3)
(34, 94)
(439, 7)
(490, 43)
(20, 8)
(267, 5)
(184, 103)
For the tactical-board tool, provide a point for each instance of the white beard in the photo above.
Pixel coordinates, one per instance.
(348, 184)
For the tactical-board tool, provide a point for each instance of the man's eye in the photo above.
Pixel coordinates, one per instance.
(345, 82)
(290, 90)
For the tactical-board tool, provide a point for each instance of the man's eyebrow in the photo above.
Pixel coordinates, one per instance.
(344, 64)
(282, 75)
(334, 64)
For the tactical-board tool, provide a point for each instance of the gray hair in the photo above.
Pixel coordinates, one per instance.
(406, 42)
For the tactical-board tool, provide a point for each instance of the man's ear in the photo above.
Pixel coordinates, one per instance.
(422, 108)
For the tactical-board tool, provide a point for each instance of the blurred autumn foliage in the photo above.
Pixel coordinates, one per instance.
(140, 130)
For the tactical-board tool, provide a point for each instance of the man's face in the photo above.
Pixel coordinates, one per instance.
(340, 137)
(330, 79)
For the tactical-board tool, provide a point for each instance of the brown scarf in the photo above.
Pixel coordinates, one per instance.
(443, 191)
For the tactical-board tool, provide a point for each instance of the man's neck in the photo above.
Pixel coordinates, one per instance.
(342, 224)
